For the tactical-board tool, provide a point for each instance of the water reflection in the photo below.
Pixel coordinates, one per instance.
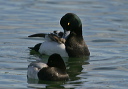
(45, 84)
(74, 68)
(105, 30)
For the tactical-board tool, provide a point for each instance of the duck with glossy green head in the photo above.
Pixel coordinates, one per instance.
(72, 45)
(54, 70)
(75, 44)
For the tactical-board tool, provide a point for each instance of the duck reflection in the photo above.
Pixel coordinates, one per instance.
(45, 84)
(75, 68)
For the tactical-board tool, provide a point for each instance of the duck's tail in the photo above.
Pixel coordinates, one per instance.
(38, 35)
(36, 47)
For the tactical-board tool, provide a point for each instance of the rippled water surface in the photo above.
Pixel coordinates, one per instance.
(105, 30)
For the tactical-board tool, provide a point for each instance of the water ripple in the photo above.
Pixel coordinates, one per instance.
(104, 30)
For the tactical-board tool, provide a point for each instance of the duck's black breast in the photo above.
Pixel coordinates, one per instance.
(76, 46)
(52, 73)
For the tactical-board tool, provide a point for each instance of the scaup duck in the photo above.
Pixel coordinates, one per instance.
(54, 43)
(54, 70)
(73, 45)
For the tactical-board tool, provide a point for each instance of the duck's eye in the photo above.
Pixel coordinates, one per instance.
(68, 24)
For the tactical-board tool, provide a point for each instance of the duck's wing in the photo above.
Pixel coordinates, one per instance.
(58, 33)
(34, 68)
(57, 39)
(38, 65)
(38, 35)
(36, 47)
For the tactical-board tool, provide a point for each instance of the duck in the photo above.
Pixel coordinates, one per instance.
(54, 70)
(54, 43)
(69, 45)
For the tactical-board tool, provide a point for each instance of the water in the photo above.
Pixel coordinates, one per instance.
(105, 24)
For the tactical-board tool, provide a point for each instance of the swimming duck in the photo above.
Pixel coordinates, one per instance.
(54, 70)
(54, 43)
(73, 45)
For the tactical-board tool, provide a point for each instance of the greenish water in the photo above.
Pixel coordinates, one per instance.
(105, 30)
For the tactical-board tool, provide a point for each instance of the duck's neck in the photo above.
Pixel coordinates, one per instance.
(78, 32)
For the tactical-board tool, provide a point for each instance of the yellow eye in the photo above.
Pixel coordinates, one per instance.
(68, 23)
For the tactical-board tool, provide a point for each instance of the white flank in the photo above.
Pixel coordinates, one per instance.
(50, 47)
(34, 68)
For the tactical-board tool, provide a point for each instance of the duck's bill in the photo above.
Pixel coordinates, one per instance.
(38, 35)
(66, 34)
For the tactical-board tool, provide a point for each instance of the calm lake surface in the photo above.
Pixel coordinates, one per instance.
(105, 30)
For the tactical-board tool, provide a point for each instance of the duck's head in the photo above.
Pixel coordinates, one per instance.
(71, 22)
(55, 60)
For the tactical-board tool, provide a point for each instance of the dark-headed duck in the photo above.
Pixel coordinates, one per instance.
(70, 45)
(54, 70)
